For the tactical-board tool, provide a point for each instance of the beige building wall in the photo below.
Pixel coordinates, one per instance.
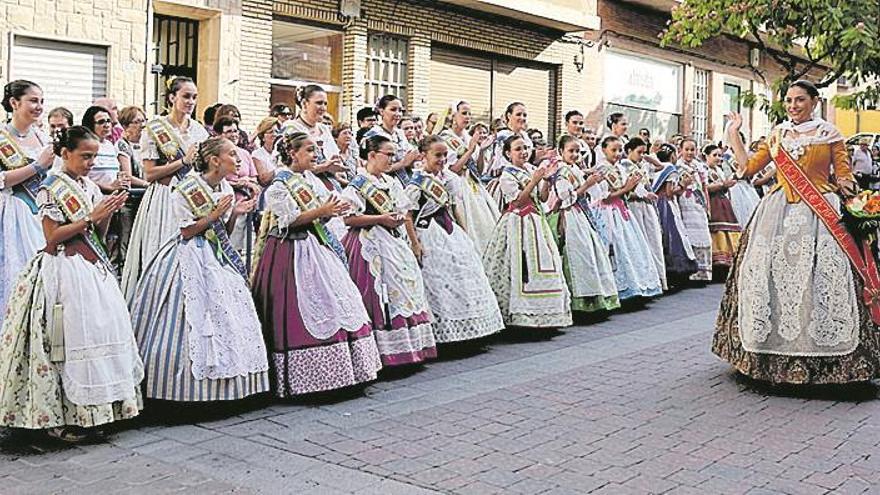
(119, 25)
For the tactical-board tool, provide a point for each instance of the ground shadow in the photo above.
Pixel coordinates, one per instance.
(849, 392)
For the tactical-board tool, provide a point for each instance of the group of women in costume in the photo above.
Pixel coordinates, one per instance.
(443, 241)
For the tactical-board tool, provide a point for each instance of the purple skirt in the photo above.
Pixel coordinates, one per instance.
(400, 340)
(677, 260)
(301, 363)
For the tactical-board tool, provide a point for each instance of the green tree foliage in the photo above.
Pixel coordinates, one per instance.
(836, 38)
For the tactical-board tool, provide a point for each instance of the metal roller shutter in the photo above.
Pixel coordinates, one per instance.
(83, 75)
(458, 76)
(532, 86)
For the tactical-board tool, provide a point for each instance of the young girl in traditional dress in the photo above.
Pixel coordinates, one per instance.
(634, 269)
(585, 261)
(314, 321)
(477, 210)
(641, 201)
(390, 110)
(694, 203)
(193, 314)
(22, 168)
(723, 225)
(383, 260)
(678, 254)
(169, 147)
(522, 260)
(68, 356)
(458, 291)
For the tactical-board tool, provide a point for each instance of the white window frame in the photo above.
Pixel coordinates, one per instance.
(379, 50)
(700, 117)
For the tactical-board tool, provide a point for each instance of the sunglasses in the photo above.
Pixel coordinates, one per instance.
(103, 122)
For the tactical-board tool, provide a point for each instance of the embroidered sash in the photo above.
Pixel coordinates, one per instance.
(523, 178)
(11, 158)
(378, 198)
(306, 199)
(75, 206)
(201, 203)
(432, 190)
(457, 145)
(167, 143)
(861, 257)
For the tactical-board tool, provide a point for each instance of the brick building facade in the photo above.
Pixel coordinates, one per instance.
(555, 55)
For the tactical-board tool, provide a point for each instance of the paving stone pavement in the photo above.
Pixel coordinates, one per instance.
(632, 404)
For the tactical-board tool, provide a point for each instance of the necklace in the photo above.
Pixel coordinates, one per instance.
(14, 130)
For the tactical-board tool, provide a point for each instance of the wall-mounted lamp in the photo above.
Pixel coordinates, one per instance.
(579, 59)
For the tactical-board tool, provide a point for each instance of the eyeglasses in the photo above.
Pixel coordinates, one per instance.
(389, 154)
(138, 121)
(103, 122)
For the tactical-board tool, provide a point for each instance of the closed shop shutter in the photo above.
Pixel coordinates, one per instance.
(83, 77)
(532, 86)
(458, 76)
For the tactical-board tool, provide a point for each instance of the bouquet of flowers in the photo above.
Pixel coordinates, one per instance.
(861, 214)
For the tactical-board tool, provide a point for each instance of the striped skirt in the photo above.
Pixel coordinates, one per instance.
(158, 312)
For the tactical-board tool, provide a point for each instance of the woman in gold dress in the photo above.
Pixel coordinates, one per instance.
(793, 311)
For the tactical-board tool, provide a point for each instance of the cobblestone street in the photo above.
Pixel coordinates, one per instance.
(633, 404)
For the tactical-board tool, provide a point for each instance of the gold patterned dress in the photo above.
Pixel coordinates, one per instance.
(791, 312)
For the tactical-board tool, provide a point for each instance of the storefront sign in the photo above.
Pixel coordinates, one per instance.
(639, 82)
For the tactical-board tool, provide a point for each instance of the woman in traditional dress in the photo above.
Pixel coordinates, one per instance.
(382, 261)
(678, 255)
(68, 356)
(169, 147)
(193, 314)
(793, 311)
(390, 110)
(312, 100)
(694, 204)
(585, 263)
(314, 321)
(477, 210)
(522, 260)
(634, 269)
(642, 202)
(723, 226)
(515, 121)
(458, 291)
(22, 168)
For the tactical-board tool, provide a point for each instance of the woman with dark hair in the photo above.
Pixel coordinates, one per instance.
(312, 100)
(801, 301)
(678, 255)
(458, 291)
(230, 111)
(641, 201)
(635, 273)
(192, 311)
(477, 211)
(585, 262)
(68, 358)
(522, 260)
(168, 148)
(723, 226)
(383, 259)
(616, 125)
(390, 110)
(22, 168)
(314, 321)
(694, 204)
(515, 122)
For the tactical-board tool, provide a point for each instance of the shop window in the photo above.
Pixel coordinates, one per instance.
(699, 125)
(659, 123)
(303, 55)
(176, 46)
(386, 67)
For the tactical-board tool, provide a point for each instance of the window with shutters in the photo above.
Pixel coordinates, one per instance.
(84, 71)
(699, 124)
(386, 67)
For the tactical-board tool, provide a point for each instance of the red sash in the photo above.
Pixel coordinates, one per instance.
(861, 258)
